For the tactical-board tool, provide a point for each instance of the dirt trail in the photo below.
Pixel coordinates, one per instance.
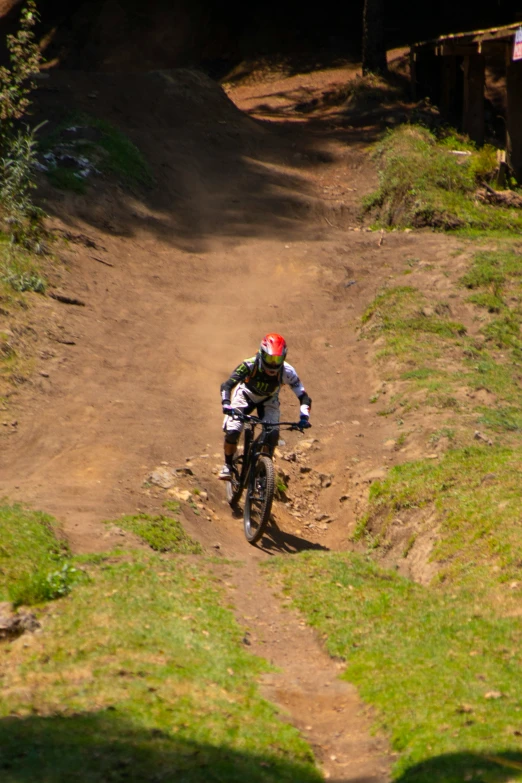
(306, 684)
(250, 233)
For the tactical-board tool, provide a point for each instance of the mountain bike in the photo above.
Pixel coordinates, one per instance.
(253, 472)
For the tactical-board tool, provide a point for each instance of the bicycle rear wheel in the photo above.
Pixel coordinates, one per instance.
(234, 489)
(258, 502)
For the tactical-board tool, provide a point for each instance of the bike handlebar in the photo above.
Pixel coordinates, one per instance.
(237, 413)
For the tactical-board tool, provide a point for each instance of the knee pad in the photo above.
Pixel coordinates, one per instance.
(232, 436)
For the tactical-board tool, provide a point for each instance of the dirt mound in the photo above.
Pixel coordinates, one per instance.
(217, 171)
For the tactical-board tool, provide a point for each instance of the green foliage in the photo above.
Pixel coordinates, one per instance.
(281, 487)
(17, 79)
(391, 298)
(491, 302)
(483, 162)
(45, 586)
(172, 505)
(440, 669)
(19, 272)
(97, 146)
(423, 184)
(492, 276)
(451, 139)
(123, 159)
(34, 562)
(141, 676)
(164, 534)
(17, 180)
(66, 179)
(504, 332)
(419, 373)
(18, 145)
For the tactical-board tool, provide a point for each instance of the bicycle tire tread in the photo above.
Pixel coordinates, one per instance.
(268, 466)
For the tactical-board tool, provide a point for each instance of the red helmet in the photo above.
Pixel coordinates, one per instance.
(272, 352)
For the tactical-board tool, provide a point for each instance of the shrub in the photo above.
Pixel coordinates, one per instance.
(422, 183)
(19, 272)
(17, 143)
(45, 586)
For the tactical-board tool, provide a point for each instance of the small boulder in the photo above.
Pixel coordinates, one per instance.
(163, 477)
(180, 494)
(13, 625)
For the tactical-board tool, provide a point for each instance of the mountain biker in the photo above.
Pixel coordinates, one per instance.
(257, 382)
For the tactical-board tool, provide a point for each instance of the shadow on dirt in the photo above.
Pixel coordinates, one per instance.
(360, 110)
(493, 767)
(104, 746)
(297, 62)
(276, 541)
(218, 172)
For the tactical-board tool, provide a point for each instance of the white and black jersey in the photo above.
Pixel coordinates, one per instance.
(259, 386)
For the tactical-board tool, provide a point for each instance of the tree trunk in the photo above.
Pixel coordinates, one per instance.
(373, 45)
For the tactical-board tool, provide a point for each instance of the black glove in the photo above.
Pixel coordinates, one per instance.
(227, 407)
(303, 422)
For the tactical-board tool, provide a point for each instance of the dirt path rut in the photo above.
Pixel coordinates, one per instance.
(306, 684)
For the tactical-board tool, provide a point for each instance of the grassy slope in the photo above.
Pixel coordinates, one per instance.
(442, 670)
(139, 674)
(472, 493)
(423, 183)
(162, 533)
(441, 665)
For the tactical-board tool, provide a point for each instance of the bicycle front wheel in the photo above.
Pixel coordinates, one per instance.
(259, 497)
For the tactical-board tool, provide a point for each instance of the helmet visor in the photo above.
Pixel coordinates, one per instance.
(273, 361)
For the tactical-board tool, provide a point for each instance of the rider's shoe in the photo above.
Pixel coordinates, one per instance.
(225, 474)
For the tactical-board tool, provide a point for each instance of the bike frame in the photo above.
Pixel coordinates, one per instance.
(253, 446)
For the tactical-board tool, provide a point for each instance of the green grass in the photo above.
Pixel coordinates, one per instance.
(492, 269)
(496, 280)
(423, 184)
(123, 159)
(140, 675)
(280, 484)
(419, 337)
(424, 661)
(503, 419)
(19, 271)
(420, 374)
(162, 533)
(34, 562)
(412, 333)
(399, 309)
(66, 179)
(111, 152)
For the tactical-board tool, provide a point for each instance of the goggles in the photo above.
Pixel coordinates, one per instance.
(273, 361)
